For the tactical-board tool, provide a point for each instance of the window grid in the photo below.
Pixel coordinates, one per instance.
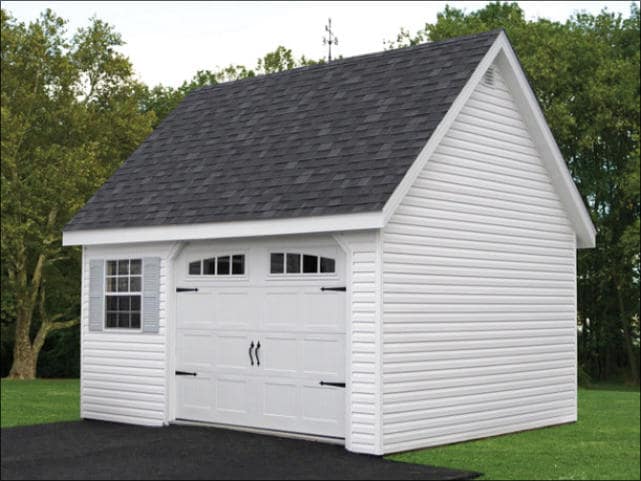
(223, 266)
(296, 263)
(123, 294)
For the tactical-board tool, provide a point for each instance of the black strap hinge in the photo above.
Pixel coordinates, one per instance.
(185, 373)
(333, 384)
(339, 289)
(186, 289)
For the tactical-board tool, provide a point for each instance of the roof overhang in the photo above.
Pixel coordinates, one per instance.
(225, 230)
(502, 53)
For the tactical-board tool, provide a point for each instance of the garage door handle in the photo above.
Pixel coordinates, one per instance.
(333, 384)
(251, 358)
(185, 373)
(257, 358)
(340, 289)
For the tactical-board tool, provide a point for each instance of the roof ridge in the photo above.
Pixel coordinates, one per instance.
(342, 61)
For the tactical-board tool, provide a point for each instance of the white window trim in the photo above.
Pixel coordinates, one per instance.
(106, 293)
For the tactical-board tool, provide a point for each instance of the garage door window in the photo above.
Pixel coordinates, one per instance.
(233, 265)
(296, 263)
(123, 294)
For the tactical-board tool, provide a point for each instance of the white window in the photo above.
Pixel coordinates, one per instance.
(231, 265)
(295, 263)
(123, 294)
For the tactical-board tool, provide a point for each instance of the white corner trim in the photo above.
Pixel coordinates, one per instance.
(502, 53)
(225, 230)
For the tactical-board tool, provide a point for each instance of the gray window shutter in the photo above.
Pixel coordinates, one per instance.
(150, 294)
(96, 294)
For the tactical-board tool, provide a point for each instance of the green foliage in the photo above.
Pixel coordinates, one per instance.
(603, 444)
(25, 403)
(70, 117)
(585, 73)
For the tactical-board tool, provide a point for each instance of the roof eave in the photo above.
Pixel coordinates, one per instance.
(225, 230)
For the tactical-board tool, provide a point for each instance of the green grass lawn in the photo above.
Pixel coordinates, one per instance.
(39, 402)
(604, 444)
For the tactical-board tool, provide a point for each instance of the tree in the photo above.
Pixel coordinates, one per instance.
(70, 116)
(585, 73)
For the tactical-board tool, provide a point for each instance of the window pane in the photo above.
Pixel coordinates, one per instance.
(123, 284)
(135, 320)
(123, 303)
(135, 284)
(123, 267)
(223, 265)
(123, 319)
(310, 264)
(277, 264)
(209, 266)
(112, 319)
(112, 284)
(135, 303)
(135, 266)
(327, 265)
(112, 303)
(194, 268)
(238, 264)
(111, 268)
(293, 263)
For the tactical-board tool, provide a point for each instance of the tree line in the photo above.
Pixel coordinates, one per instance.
(73, 111)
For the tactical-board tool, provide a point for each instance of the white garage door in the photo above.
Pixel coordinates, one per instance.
(261, 335)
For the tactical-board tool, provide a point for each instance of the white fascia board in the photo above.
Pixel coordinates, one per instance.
(225, 230)
(502, 53)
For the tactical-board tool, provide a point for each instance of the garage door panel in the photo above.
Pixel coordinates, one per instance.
(233, 394)
(236, 309)
(278, 354)
(323, 310)
(232, 351)
(281, 309)
(280, 400)
(323, 410)
(194, 395)
(324, 356)
(195, 348)
(195, 310)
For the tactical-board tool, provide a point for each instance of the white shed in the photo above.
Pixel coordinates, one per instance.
(378, 251)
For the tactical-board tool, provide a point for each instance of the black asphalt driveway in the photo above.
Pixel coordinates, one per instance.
(97, 450)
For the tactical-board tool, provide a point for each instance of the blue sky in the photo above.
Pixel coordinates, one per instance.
(169, 41)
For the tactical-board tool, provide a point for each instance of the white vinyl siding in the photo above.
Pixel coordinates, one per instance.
(479, 293)
(365, 340)
(123, 373)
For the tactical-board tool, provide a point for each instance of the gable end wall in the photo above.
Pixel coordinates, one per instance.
(479, 288)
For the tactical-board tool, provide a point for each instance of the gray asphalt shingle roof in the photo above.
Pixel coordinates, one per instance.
(326, 139)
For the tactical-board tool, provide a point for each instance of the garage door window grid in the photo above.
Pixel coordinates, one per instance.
(229, 265)
(295, 263)
(123, 294)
